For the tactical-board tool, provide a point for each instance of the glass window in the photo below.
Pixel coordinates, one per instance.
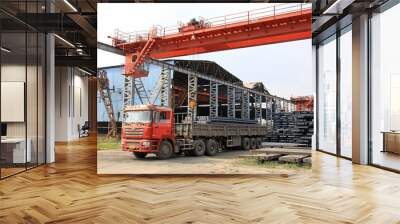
(327, 96)
(22, 91)
(164, 117)
(138, 116)
(346, 94)
(15, 149)
(385, 89)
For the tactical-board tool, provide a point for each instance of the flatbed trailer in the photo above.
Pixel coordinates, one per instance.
(226, 135)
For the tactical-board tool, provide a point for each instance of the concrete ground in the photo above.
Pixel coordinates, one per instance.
(120, 162)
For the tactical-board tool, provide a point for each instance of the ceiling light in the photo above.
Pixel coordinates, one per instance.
(5, 50)
(86, 72)
(70, 5)
(64, 40)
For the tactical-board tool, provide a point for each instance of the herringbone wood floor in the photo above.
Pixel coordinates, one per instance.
(69, 191)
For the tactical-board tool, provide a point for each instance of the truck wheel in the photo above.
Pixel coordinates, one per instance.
(165, 150)
(211, 147)
(140, 155)
(253, 143)
(199, 147)
(259, 143)
(245, 144)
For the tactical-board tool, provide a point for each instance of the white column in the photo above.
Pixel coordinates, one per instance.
(360, 90)
(314, 84)
(50, 99)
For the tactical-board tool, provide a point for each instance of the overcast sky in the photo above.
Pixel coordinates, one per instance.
(285, 68)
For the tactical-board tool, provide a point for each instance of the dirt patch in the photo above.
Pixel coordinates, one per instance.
(120, 162)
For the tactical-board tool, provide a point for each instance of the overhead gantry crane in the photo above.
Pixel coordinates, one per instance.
(275, 24)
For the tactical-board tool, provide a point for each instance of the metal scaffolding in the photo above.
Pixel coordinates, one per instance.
(213, 99)
(245, 105)
(162, 88)
(231, 102)
(192, 96)
(128, 97)
(258, 107)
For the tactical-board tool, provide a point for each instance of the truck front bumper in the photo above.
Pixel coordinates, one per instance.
(149, 146)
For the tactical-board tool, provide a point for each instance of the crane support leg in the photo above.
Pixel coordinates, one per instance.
(128, 97)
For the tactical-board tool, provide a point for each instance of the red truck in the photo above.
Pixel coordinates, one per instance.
(152, 129)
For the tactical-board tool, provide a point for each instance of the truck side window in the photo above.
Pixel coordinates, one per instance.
(156, 117)
(163, 117)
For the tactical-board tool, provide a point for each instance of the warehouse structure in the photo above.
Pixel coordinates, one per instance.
(222, 103)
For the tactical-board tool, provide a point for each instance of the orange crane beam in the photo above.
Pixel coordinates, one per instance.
(253, 28)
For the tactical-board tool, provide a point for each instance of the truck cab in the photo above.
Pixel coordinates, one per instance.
(148, 129)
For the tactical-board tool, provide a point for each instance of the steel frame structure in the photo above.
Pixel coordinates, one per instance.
(235, 93)
(162, 89)
(258, 107)
(245, 105)
(231, 101)
(213, 99)
(192, 96)
(128, 94)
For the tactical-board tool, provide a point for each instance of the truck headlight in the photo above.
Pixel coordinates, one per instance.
(146, 144)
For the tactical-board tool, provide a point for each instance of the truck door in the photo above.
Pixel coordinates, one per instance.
(164, 124)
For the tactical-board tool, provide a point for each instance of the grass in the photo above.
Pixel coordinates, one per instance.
(272, 164)
(104, 143)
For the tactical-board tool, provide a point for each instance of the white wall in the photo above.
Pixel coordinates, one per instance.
(33, 126)
(71, 102)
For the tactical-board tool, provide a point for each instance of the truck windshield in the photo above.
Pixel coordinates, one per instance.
(139, 116)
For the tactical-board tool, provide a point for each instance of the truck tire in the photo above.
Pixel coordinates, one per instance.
(211, 147)
(140, 155)
(165, 151)
(253, 143)
(245, 143)
(259, 143)
(199, 148)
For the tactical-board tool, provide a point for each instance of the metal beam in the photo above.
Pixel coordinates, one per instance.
(231, 101)
(192, 96)
(245, 104)
(109, 48)
(210, 78)
(82, 61)
(213, 99)
(258, 107)
(84, 24)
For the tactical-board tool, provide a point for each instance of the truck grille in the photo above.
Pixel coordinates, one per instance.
(132, 143)
(134, 131)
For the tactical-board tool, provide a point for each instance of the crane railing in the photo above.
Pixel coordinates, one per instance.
(248, 17)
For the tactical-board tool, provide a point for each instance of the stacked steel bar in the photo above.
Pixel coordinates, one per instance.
(292, 127)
